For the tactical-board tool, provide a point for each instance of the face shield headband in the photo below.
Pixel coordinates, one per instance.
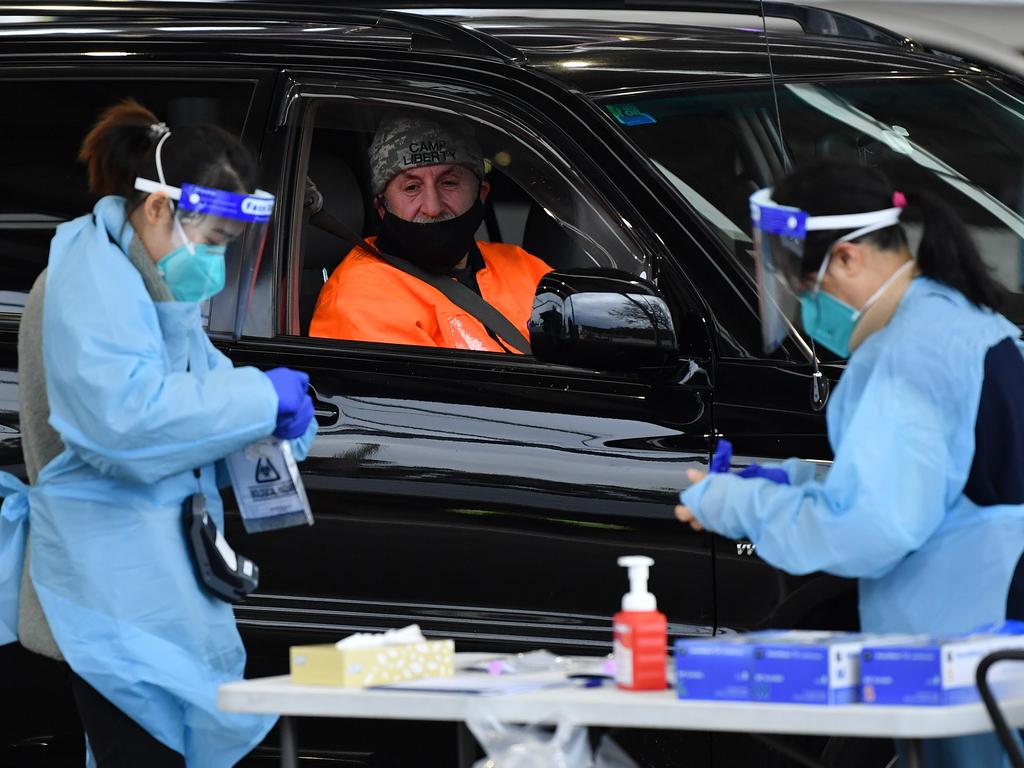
(195, 202)
(780, 233)
(218, 218)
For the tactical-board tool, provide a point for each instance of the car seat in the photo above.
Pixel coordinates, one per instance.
(322, 252)
(546, 239)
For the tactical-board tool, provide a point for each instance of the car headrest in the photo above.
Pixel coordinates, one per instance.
(546, 239)
(343, 199)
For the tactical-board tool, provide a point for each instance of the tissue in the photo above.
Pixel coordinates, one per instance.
(403, 636)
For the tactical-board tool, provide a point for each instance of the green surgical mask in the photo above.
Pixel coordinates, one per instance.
(194, 272)
(829, 321)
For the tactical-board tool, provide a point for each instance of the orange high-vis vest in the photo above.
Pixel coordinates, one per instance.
(366, 299)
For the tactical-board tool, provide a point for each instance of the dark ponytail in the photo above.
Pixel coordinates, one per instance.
(122, 144)
(116, 145)
(946, 252)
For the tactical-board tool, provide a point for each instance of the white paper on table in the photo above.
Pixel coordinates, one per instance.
(486, 685)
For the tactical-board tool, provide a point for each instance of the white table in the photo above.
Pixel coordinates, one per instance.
(608, 706)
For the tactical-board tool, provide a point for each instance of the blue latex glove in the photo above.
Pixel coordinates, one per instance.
(774, 474)
(721, 461)
(295, 425)
(294, 405)
(302, 444)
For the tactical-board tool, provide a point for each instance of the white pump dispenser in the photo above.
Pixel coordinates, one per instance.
(638, 598)
(640, 632)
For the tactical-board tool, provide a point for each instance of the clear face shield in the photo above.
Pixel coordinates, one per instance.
(214, 230)
(779, 234)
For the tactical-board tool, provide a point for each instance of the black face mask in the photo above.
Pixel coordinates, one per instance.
(437, 246)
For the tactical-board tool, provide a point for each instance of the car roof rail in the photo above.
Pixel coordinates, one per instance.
(433, 32)
(427, 32)
(433, 29)
(811, 19)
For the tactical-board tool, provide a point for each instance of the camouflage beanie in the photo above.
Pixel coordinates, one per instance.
(403, 143)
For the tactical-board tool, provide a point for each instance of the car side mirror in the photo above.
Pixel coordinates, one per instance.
(602, 319)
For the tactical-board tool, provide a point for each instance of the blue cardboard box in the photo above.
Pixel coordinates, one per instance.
(773, 665)
(716, 668)
(807, 668)
(935, 671)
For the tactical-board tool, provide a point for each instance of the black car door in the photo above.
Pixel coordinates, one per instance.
(484, 496)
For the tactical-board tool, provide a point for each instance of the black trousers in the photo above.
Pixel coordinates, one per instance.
(116, 740)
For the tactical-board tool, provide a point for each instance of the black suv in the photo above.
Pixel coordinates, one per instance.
(487, 496)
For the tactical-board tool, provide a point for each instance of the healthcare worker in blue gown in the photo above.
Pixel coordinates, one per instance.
(141, 408)
(924, 502)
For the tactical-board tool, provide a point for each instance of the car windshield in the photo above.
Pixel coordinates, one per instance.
(960, 138)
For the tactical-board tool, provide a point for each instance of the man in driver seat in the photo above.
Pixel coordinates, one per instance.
(429, 188)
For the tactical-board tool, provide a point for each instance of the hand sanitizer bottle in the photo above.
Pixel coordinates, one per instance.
(640, 632)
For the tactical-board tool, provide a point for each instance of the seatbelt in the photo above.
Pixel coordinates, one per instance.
(457, 293)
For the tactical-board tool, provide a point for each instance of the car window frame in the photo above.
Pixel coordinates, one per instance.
(796, 350)
(308, 92)
(252, 133)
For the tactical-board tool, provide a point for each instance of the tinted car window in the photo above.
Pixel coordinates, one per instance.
(717, 148)
(41, 182)
(535, 202)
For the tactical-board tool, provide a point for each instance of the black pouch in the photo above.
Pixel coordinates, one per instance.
(224, 573)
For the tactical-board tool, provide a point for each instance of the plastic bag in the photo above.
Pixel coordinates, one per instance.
(533, 746)
(543, 661)
(611, 755)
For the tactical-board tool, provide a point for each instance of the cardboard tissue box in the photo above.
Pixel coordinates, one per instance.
(364, 660)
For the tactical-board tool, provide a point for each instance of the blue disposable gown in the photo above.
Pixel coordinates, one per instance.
(891, 510)
(140, 399)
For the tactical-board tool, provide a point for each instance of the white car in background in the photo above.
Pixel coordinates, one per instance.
(989, 32)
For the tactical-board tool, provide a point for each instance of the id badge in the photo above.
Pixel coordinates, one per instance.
(268, 486)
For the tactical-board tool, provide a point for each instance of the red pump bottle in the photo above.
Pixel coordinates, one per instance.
(641, 632)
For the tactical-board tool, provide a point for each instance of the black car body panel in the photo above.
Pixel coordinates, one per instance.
(483, 497)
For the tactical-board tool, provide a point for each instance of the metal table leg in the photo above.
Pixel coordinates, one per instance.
(289, 748)
(910, 754)
(1006, 735)
(465, 746)
(789, 751)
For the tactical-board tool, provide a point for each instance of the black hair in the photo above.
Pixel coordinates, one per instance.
(122, 144)
(946, 252)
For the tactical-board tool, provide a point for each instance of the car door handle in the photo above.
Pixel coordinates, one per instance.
(325, 415)
(325, 412)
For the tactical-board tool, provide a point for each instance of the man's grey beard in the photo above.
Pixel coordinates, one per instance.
(422, 218)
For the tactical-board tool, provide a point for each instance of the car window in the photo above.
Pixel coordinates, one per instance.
(716, 148)
(536, 202)
(42, 184)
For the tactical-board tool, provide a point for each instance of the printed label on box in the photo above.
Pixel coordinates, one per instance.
(935, 671)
